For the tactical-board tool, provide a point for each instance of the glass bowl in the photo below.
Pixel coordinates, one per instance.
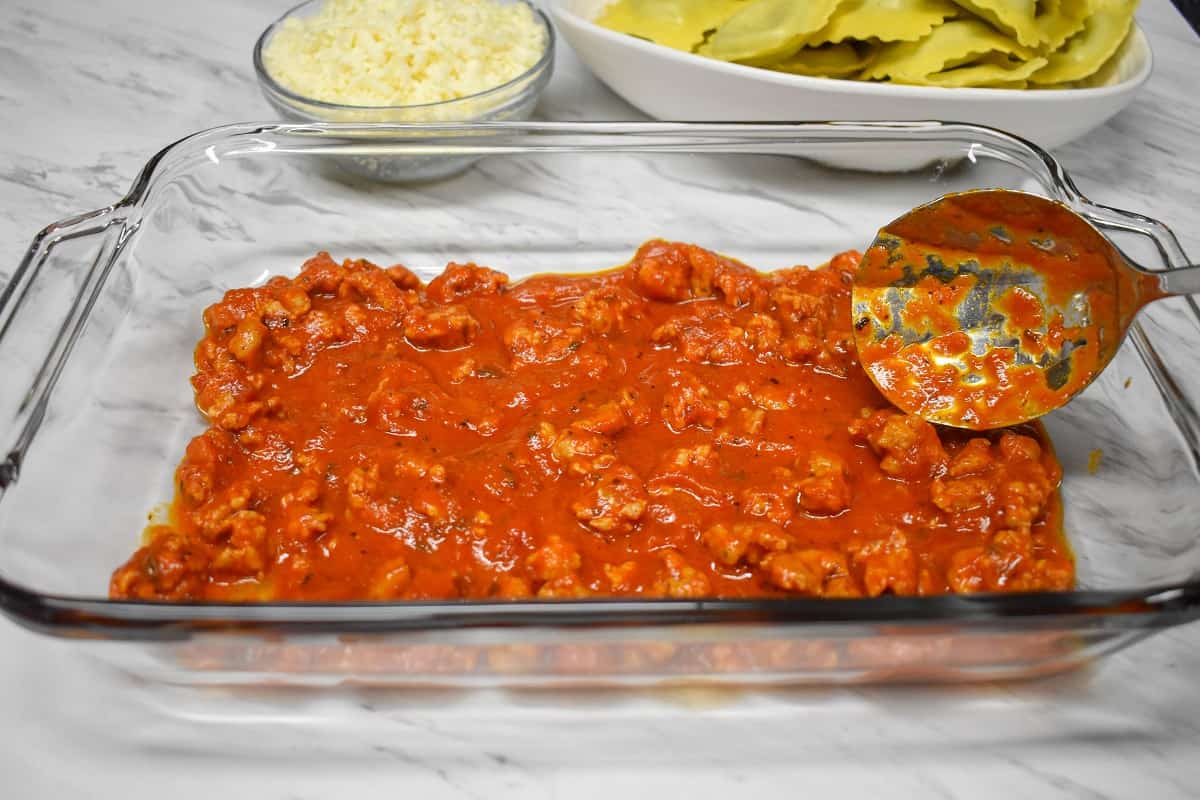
(511, 101)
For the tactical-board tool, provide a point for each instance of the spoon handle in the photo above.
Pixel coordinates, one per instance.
(1185, 280)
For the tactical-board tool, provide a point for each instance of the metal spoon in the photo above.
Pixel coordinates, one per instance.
(990, 308)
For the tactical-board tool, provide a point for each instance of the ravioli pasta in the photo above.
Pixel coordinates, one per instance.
(957, 44)
(1088, 50)
(831, 60)
(997, 44)
(884, 20)
(766, 30)
(676, 23)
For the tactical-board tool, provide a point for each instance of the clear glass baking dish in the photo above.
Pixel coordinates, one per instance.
(98, 324)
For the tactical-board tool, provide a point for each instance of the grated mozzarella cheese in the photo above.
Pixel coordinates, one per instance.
(404, 52)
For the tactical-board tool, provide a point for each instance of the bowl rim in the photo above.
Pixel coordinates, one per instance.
(566, 15)
(269, 83)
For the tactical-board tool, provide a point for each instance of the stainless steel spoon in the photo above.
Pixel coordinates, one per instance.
(990, 308)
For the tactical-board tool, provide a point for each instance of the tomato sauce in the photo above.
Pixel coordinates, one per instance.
(683, 426)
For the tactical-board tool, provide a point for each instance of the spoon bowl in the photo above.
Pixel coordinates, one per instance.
(994, 307)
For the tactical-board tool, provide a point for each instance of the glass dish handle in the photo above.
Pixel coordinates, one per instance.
(38, 327)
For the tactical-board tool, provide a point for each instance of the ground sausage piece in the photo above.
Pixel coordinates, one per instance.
(620, 576)
(908, 446)
(320, 274)
(565, 587)
(664, 272)
(820, 573)
(888, 565)
(825, 490)
(511, 587)
(615, 503)
(403, 277)
(446, 328)
(196, 475)
(674, 272)
(709, 339)
(775, 500)
(680, 579)
(465, 280)
(541, 340)
(745, 542)
(167, 568)
(557, 558)
(375, 286)
(1009, 562)
(606, 309)
(689, 402)
(1005, 481)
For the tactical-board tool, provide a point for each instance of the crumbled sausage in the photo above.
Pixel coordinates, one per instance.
(664, 272)
(242, 553)
(674, 272)
(196, 474)
(753, 420)
(374, 286)
(575, 444)
(304, 520)
(557, 558)
(813, 306)
(825, 489)
(615, 502)
(974, 457)
(680, 579)
(566, 587)
(774, 500)
(820, 573)
(404, 397)
(887, 564)
(1009, 561)
(708, 339)
(773, 396)
(167, 568)
(636, 409)
(908, 446)
(1005, 481)
(745, 542)
(465, 280)
(445, 328)
(605, 309)
(711, 336)
(511, 587)
(620, 576)
(320, 274)
(247, 339)
(403, 277)
(689, 402)
(541, 340)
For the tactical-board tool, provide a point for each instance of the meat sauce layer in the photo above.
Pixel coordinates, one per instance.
(683, 426)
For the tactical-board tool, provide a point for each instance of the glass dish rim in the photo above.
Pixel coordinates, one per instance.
(1165, 603)
(268, 82)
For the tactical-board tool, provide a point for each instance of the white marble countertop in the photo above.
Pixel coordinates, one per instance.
(89, 91)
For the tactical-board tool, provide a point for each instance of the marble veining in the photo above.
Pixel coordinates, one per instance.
(90, 91)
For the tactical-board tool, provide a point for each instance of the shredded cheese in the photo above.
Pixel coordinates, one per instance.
(404, 52)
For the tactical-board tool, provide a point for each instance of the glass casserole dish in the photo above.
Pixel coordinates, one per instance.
(98, 323)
